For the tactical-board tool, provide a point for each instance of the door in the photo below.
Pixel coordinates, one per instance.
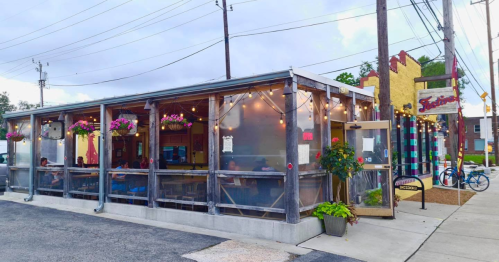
(370, 191)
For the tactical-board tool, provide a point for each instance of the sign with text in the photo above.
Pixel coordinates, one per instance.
(411, 188)
(437, 101)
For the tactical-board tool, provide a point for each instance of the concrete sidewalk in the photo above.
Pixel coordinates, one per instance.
(470, 234)
(376, 239)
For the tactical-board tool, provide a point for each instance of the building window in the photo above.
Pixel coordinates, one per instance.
(466, 129)
(466, 145)
(479, 144)
(477, 128)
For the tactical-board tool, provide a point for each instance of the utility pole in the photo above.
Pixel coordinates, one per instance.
(449, 59)
(41, 82)
(383, 60)
(226, 36)
(492, 88)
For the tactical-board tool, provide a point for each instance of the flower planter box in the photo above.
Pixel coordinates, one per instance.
(335, 226)
(123, 132)
(17, 138)
(175, 126)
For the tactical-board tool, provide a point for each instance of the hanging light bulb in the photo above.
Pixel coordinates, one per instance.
(271, 93)
(29, 126)
(396, 112)
(17, 127)
(344, 112)
(404, 114)
(250, 95)
(182, 114)
(40, 138)
(137, 134)
(230, 128)
(95, 119)
(162, 127)
(309, 117)
(360, 109)
(341, 104)
(216, 125)
(355, 119)
(281, 121)
(200, 119)
(231, 104)
(164, 115)
(365, 107)
(60, 142)
(325, 116)
(193, 109)
(398, 126)
(69, 133)
(24, 142)
(244, 106)
(311, 102)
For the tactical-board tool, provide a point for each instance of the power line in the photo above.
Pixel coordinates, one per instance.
(414, 30)
(29, 8)
(54, 23)
(145, 72)
(60, 29)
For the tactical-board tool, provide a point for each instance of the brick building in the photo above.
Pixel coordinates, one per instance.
(474, 144)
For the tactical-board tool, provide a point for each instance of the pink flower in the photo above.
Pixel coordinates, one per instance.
(335, 139)
(318, 155)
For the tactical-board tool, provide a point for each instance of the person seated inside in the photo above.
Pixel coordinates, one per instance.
(118, 180)
(51, 179)
(80, 163)
(144, 164)
(232, 166)
(265, 186)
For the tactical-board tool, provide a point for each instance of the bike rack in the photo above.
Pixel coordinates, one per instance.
(410, 188)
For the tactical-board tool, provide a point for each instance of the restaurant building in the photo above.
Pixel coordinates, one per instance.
(247, 164)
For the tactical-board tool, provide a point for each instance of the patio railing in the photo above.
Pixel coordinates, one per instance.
(183, 189)
(83, 181)
(19, 178)
(49, 179)
(313, 189)
(131, 184)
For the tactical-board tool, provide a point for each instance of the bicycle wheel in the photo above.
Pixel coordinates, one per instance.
(450, 176)
(478, 183)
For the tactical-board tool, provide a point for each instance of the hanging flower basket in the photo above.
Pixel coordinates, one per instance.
(82, 128)
(122, 126)
(14, 136)
(175, 122)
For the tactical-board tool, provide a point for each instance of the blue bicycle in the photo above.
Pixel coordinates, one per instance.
(476, 180)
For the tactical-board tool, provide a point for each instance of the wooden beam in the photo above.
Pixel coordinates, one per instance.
(213, 192)
(326, 137)
(433, 78)
(68, 153)
(292, 196)
(153, 152)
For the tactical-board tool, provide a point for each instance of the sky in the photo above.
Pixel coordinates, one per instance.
(95, 40)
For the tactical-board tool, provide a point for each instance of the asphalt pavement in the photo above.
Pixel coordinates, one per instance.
(34, 233)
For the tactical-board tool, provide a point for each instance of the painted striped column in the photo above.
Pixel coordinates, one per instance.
(413, 145)
(436, 180)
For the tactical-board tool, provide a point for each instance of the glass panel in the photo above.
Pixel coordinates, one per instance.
(312, 190)
(129, 184)
(370, 144)
(186, 188)
(175, 154)
(85, 182)
(309, 129)
(370, 189)
(19, 177)
(337, 110)
(22, 156)
(261, 192)
(88, 149)
(253, 127)
(51, 149)
(50, 179)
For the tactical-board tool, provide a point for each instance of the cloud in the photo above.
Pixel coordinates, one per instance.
(473, 110)
(28, 91)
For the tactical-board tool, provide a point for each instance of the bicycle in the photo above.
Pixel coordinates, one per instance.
(476, 180)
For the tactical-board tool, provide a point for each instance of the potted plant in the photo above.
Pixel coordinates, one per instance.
(82, 128)
(175, 122)
(121, 125)
(339, 160)
(14, 136)
(336, 216)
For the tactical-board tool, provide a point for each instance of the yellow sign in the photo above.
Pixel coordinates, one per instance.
(490, 148)
(411, 188)
(488, 109)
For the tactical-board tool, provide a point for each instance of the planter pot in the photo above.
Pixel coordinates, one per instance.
(123, 132)
(17, 138)
(335, 226)
(175, 126)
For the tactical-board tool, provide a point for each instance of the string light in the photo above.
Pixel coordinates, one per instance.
(250, 95)
(365, 107)
(360, 109)
(325, 116)
(311, 102)
(281, 121)
(231, 104)
(396, 112)
(181, 114)
(162, 127)
(216, 125)
(69, 133)
(164, 115)
(60, 143)
(271, 93)
(40, 138)
(137, 134)
(17, 127)
(345, 112)
(244, 105)
(24, 142)
(341, 104)
(200, 119)
(95, 120)
(193, 109)
(136, 121)
(355, 119)
(398, 126)
(230, 128)
(29, 126)
(404, 114)
(309, 117)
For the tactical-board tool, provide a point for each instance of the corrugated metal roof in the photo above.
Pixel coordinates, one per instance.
(225, 85)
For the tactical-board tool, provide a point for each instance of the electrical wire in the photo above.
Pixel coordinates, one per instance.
(60, 29)
(25, 10)
(408, 21)
(53, 23)
(145, 72)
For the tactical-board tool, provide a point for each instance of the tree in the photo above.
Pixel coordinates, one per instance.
(24, 105)
(436, 68)
(5, 106)
(347, 78)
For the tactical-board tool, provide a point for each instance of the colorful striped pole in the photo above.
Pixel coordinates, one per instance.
(436, 180)
(413, 143)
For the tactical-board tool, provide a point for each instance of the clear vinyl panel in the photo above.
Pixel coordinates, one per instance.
(370, 144)
(129, 184)
(50, 179)
(183, 187)
(19, 178)
(312, 190)
(370, 189)
(85, 182)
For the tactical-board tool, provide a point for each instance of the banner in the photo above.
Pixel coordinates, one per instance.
(437, 101)
(460, 120)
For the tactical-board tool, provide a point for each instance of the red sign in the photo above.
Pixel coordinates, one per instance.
(290, 166)
(151, 161)
(308, 136)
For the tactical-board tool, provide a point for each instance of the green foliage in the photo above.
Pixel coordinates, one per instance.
(347, 78)
(374, 197)
(339, 160)
(365, 68)
(435, 68)
(478, 159)
(5, 106)
(333, 209)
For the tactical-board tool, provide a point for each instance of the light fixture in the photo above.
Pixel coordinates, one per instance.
(360, 109)
(200, 119)
(396, 112)
(162, 127)
(69, 133)
(136, 121)
(193, 109)
(341, 104)
(325, 116)
(311, 102)
(271, 93)
(281, 121)
(404, 114)
(365, 107)
(148, 105)
(244, 106)
(24, 142)
(60, 142)
(182, 114)
(231, 104)
(137, 134)
(230, 128)
(355, 119)
(250, 95)
(50, 121)
(16, 127)
(309, 117)
(29, 126)
(61, 116)
(287, 90)
(40, 138)
(344, 112)
(216, 125)
(398, 126)
(164, 115)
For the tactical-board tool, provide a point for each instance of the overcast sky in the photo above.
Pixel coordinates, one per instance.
(98, 34)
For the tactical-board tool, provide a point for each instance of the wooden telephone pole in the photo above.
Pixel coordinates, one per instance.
(226, 36)
(383, 61)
